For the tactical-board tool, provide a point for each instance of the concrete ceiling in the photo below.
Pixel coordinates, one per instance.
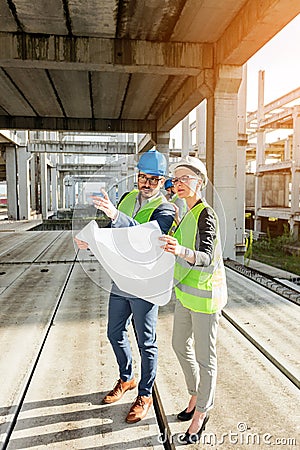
(122, 65)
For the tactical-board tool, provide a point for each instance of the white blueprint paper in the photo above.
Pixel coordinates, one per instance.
(133, 259)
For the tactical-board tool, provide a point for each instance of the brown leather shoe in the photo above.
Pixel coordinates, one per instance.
(119, 390)
(139, 409)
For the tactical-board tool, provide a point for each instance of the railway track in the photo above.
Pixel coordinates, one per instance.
(264, 280)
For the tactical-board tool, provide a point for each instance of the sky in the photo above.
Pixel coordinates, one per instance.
(280, 59)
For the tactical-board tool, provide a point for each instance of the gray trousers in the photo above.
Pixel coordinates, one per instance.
(194, 342)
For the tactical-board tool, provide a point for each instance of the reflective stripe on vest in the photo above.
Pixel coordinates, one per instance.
(127, 205)
(201, 289)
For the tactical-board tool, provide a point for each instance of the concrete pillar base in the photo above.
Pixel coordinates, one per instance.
(24, 182)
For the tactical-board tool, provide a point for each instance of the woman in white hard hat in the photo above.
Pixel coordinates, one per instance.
(201, 293)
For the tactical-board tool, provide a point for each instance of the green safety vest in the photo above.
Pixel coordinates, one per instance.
(127, 204)
(201, 289)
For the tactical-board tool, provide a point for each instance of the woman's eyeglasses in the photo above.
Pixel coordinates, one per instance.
(153, 181)
(184, 179)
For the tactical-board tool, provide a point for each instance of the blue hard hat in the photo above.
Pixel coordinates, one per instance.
(168, 183)
(153, 163)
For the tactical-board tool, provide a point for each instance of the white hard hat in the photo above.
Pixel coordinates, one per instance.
(194, 164)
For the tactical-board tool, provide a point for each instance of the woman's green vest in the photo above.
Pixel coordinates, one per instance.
(201, 289)
(127, 204)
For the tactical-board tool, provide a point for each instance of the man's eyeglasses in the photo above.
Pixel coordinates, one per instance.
(184, 179)
(153, 181)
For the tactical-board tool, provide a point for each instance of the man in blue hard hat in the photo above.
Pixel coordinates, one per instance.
(138, 206)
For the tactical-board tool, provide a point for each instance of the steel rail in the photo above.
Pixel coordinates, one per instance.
(265, 280)
(262, 350)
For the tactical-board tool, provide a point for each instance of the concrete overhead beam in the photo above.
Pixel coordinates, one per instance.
(191, 93)
(269, 121)
(278, 103)
(77, 124)
(88, 148)
(7, 136)
(256, 23)
(103, 55)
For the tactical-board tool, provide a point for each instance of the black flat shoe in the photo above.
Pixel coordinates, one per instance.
(184, 416)
(195, 437)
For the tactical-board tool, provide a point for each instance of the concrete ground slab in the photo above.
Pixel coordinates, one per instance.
(9, 240)
(63, 249)
(19, 225)
(27, 250)
(26, 308)
(253, 399)
(62, 408)
(270, 319)
(270, 270)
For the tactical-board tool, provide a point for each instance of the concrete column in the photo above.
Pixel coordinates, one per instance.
(61, 184)
(54, 189)
(131, 172)
(49, 188)
(24, 182)
(201, 129)
(225, 156)
(241, 169)
(112, 193)
(162, 145)
(69, 192)
(287, 154)
(44, 188)
(123, 178)
(73, 195)
(11, 179)
(185, 136)
(260, 151)
(295, 194)
(210, 133)
(33, 183)
(81, 198)
(62, 191)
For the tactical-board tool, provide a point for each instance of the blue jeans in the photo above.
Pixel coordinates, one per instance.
(121, 310)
